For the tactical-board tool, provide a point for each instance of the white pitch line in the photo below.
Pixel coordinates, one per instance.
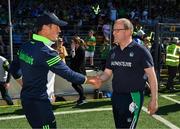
(12, 117)
(84, 110)
(171, 99)
(58, 113)
(170, 95)
(161, 119)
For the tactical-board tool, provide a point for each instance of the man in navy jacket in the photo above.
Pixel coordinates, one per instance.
(35, 58)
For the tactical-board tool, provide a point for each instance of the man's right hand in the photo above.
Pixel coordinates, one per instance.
(95, 81)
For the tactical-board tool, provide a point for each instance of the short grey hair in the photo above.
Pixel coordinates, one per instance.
(127, 23)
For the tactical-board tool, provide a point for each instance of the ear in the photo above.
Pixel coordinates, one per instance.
(129, 32)
(45, 27)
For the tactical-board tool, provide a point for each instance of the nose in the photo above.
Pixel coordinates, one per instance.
(59, 29)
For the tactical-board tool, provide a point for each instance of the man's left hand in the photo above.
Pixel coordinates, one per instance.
(7, 85)
(153, 106)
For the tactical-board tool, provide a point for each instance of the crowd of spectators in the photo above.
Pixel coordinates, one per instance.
(84, 14)
(87, 12)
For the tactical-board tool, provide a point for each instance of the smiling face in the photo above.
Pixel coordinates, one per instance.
(119, 32)
(122, 31)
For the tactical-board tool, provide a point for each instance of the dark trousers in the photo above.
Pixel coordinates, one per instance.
(171, 75)
(5, 95)
(126, 110)
(80, 90)
(39, 113)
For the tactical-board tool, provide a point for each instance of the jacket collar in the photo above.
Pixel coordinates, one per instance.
(43, 39)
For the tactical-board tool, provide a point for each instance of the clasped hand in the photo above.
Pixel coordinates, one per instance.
(95, 81)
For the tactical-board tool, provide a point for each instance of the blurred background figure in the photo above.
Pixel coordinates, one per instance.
(1, 45)
(51, 80)
(50, 86)
(51, 76)
(4, 41)
(90, 47)
(104, 50)
(61, 49)
(172, 62)
(4, 80)
(107, 30)
(78, 65)
(139, 37)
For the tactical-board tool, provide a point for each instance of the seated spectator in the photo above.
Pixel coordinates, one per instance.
(4, 40)
(17, 37)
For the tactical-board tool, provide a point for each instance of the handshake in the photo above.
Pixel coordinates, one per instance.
(95, 81)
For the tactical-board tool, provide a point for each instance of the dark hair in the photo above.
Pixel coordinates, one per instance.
(38, 28)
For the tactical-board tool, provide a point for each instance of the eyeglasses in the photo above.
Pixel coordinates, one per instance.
(118, 29)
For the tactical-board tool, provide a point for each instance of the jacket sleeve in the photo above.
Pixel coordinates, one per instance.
(56, 65)
(15, 69)
(65, 72)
